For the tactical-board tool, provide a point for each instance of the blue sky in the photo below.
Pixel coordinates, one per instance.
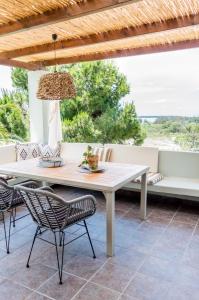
(161, 84)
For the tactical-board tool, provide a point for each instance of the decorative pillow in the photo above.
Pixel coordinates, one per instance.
(152, 178)
(48, 152)
(6, 177)
(27, 151)
(103, 153)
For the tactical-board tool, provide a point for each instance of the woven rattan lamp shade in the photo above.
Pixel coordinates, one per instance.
(56, 86)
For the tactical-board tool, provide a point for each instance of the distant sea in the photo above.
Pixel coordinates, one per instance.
(148, 119)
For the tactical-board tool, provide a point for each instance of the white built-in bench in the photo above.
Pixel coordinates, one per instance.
(179, 169)
(180, 172)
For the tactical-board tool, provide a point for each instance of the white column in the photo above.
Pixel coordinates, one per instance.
(38, 110)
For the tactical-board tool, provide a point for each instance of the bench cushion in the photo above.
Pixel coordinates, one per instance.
(74, 151)
(179, 186)
(146, 156)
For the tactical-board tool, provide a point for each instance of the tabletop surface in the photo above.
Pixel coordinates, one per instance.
(114, 177)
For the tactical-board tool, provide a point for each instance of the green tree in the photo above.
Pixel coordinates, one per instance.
(96, 114)
(12, 118)
(3, 133)
(100, 87)
(80, 129)
(20, 79)
(188, 139)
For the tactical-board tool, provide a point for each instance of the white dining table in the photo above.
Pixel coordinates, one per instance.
(115, 176)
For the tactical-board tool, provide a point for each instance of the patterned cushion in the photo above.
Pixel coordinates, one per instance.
(6, 177)
(104, 153)
(47, 152)
(152, 178)
(26, 151)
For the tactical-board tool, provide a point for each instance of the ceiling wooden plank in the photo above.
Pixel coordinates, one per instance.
(62, 14)
(122, 53)
(105, 37)
(20, 64)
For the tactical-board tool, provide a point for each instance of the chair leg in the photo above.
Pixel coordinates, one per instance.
(5, 233)
(7, 238)
(14, 212)
(10, 222)
(36, 232)
(62, 258)
(60, 238)
(60, 267)
(89, 238)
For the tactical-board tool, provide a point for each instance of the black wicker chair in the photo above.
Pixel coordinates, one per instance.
(51, 212)
(10, 199)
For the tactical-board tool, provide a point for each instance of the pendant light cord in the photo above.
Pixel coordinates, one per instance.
(54, 38)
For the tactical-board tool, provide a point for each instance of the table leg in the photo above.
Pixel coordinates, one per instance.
(110, 222)
(143, 206)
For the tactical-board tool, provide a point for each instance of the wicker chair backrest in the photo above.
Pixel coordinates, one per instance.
(6, 195)
(45, 208)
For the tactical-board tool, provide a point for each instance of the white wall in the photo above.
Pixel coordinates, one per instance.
(38, 110)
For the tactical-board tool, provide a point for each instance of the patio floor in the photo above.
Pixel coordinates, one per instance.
(155, 259)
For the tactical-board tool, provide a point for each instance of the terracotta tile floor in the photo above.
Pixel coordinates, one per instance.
(155, 259)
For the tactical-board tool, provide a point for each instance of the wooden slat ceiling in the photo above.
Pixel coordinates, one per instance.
(93, 29)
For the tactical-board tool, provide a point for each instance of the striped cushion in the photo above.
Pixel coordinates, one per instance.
(103, 153)
(152, 178)
(6, 177)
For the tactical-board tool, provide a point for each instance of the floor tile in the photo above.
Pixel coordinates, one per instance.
(160, 268)
(167, 249)
(179, 233)
(12, 291)
(37, 296)
(126, 297)
(92, 291)
(139, 240)
(20, 238)
(146, 287)
(191, 255)
(82, 266)
(180, 292)
(187, 276)
(186, 217)
(113, 276)
(82, 246)
(71, 285)
(34, 276)
(129, 258)
(163, 213)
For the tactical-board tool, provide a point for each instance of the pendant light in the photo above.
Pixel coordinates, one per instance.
(56, 85)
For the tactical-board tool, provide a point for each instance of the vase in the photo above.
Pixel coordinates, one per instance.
(93, 162)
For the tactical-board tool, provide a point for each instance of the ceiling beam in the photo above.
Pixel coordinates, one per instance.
(66, 13)
(20, 64)
(122, 53)
(104, 37)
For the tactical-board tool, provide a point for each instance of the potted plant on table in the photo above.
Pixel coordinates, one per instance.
(89, 159)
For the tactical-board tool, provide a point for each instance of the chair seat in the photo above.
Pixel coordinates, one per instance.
(74, 215)
(77, 215)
